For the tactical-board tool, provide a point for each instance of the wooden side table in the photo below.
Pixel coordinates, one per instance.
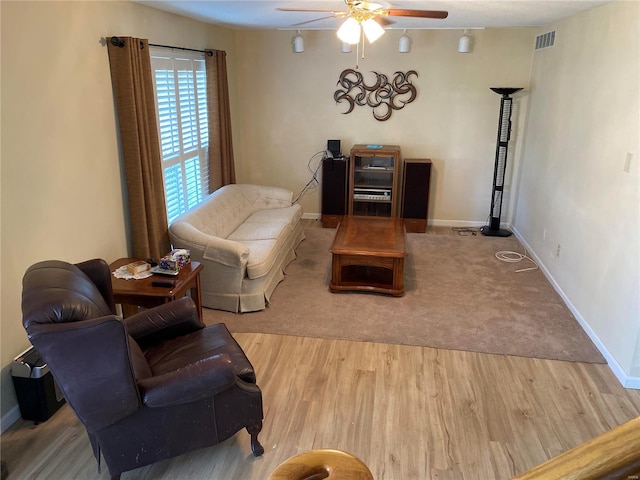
(132, 294)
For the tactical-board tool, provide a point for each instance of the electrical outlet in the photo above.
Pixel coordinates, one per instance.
(558, 251)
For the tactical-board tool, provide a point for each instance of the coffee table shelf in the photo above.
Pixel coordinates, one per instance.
(377, 278)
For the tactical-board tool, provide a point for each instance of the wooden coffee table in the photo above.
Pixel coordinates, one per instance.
(132, 294)
(368, 255)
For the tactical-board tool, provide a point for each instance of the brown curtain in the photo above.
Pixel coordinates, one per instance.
(221, 166)
(132, 82)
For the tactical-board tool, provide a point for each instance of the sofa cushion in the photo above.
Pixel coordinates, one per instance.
(262, 256)
(290, 215)
(188, 349)
(260, 231)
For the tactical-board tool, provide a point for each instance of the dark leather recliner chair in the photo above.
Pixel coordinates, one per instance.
(153, 386)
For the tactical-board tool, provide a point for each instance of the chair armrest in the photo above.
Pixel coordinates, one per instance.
(164, 322)
(197, 381)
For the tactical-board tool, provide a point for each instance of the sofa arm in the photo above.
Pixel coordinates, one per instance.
(197, 381)
(210, 247)
(226, 252)
(164, 322)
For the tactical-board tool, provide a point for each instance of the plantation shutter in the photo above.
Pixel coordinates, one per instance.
(180, 86)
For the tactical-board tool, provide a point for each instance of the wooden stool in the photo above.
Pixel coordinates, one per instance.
(321, 464)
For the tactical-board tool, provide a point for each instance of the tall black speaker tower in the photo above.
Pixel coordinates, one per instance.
(334, 191)
(502, 147)
(414, 208)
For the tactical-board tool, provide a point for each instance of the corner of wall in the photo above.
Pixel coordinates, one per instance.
(625, 378)
(8, 401)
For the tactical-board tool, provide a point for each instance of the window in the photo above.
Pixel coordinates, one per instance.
(179, 81)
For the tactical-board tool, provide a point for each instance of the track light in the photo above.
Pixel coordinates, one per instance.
(404, 46)
(298, 43)
(466, 43)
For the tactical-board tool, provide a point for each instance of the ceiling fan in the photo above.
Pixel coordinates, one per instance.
(371, 16)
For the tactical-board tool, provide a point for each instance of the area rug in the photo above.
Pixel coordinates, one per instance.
(459, 296)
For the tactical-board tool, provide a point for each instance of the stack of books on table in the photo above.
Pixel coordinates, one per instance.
(135, 268)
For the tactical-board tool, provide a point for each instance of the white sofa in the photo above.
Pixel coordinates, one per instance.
(244, 236)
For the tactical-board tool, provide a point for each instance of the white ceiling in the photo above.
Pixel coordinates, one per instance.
(262, 14)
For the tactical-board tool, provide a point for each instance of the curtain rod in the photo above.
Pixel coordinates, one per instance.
(182, 48)
(118, 42)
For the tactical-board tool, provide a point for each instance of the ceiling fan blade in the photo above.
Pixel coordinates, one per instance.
(396, 12)
(384, 21)
(311, 21)
(306, 10)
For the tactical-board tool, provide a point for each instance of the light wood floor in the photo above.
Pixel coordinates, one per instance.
(407, 412)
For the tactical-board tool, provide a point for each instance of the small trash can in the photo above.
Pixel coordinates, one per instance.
(38, 395)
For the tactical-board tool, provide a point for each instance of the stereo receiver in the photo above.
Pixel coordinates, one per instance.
(379, 194)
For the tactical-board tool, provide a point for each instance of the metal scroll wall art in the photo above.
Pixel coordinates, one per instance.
(384, 96)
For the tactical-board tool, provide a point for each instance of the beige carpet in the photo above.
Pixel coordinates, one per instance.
(458, 296)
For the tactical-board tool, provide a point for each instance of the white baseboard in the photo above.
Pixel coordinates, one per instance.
(623, 377)
(9, 418)
(455, 223)
(631, 382)
(433, 223)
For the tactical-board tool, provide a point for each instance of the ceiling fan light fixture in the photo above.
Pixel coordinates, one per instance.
(349, 31)
(372, 29)
(345, 47)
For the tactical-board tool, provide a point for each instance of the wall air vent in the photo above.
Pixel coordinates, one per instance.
(546, 40)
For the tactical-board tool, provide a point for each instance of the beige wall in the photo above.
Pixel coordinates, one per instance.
(61, 190)
(583, 121)
(288, 111)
